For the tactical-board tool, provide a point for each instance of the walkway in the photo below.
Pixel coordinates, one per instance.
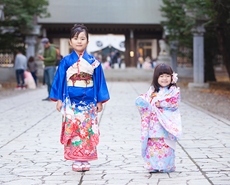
(30, 152)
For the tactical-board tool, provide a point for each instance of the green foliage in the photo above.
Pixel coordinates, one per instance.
(176, 25)
(20, 15)
(182, 15)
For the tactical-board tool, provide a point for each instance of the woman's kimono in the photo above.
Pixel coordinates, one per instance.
(80, 84)
(160, 127)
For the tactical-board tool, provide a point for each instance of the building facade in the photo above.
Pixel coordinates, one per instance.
(138, 20)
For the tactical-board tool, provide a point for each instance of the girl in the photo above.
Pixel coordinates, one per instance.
(80, 89)
(160, 120)
(32, 67)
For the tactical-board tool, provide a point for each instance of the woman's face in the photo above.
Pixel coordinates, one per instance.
(164, 80)
(79, 43)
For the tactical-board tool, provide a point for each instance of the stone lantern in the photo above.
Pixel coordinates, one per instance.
(164, 55)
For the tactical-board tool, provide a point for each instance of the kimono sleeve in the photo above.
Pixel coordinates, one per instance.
(102, 93)
(145, 110)
(172, 102)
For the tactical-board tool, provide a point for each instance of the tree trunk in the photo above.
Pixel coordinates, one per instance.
(209, 73)
(222, 40)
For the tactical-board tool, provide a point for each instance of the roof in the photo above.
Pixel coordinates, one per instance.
(104, 12)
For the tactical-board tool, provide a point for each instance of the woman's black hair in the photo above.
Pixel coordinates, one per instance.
(159, 70)
(77, 29)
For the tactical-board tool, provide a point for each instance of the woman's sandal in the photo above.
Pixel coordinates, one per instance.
(85, 166)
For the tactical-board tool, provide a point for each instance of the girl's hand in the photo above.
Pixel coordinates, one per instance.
(99, 107)
(59, 105)
(157, 104)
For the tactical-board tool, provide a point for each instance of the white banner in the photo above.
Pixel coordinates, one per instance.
(99, 42)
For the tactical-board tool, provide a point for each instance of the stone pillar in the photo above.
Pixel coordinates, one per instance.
(2, 16)
(198, 54)
(127, 49)
(30, 49)
(131, 52)
(30, 40)
(198, 58)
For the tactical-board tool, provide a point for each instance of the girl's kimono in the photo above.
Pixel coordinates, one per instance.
(79, 83)
(160, 127)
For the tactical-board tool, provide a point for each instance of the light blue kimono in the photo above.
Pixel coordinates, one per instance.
(160, 127)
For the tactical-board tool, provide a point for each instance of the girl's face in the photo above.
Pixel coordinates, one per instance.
(79, 43)
(164, 80)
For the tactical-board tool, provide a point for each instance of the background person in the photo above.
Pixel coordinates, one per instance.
(20, 65)
(32, 67)
(58, 55)
(29, 80)
(49, 59)
(140, 61)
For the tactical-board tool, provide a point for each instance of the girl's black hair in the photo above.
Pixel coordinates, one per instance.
(31, 59)
(77, 29)
(159, 70)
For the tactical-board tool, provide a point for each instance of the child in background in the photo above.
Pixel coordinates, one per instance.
(160, 120)
(32, 67)
(29, 80)
(80, 89)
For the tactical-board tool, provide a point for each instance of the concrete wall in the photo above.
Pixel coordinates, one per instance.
(7, 74)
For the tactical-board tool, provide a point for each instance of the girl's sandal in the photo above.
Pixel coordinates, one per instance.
(85, 166)
(77, 167)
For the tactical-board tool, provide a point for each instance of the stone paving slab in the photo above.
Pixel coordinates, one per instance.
(31, 154)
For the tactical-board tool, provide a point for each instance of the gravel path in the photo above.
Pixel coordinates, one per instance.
(216, 99)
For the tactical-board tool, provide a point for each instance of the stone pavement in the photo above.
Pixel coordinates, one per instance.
(30, 152)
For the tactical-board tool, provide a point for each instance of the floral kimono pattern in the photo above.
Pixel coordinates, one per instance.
(80, 133)
(160, 128)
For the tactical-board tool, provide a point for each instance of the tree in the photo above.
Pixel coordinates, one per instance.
(217, 36)
(19, 17)
(176, 26)
(221, 21)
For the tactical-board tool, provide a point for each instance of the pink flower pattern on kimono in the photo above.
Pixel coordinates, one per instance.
(80, 134)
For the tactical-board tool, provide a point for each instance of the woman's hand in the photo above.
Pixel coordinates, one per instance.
(59, 105)
(99, 107)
